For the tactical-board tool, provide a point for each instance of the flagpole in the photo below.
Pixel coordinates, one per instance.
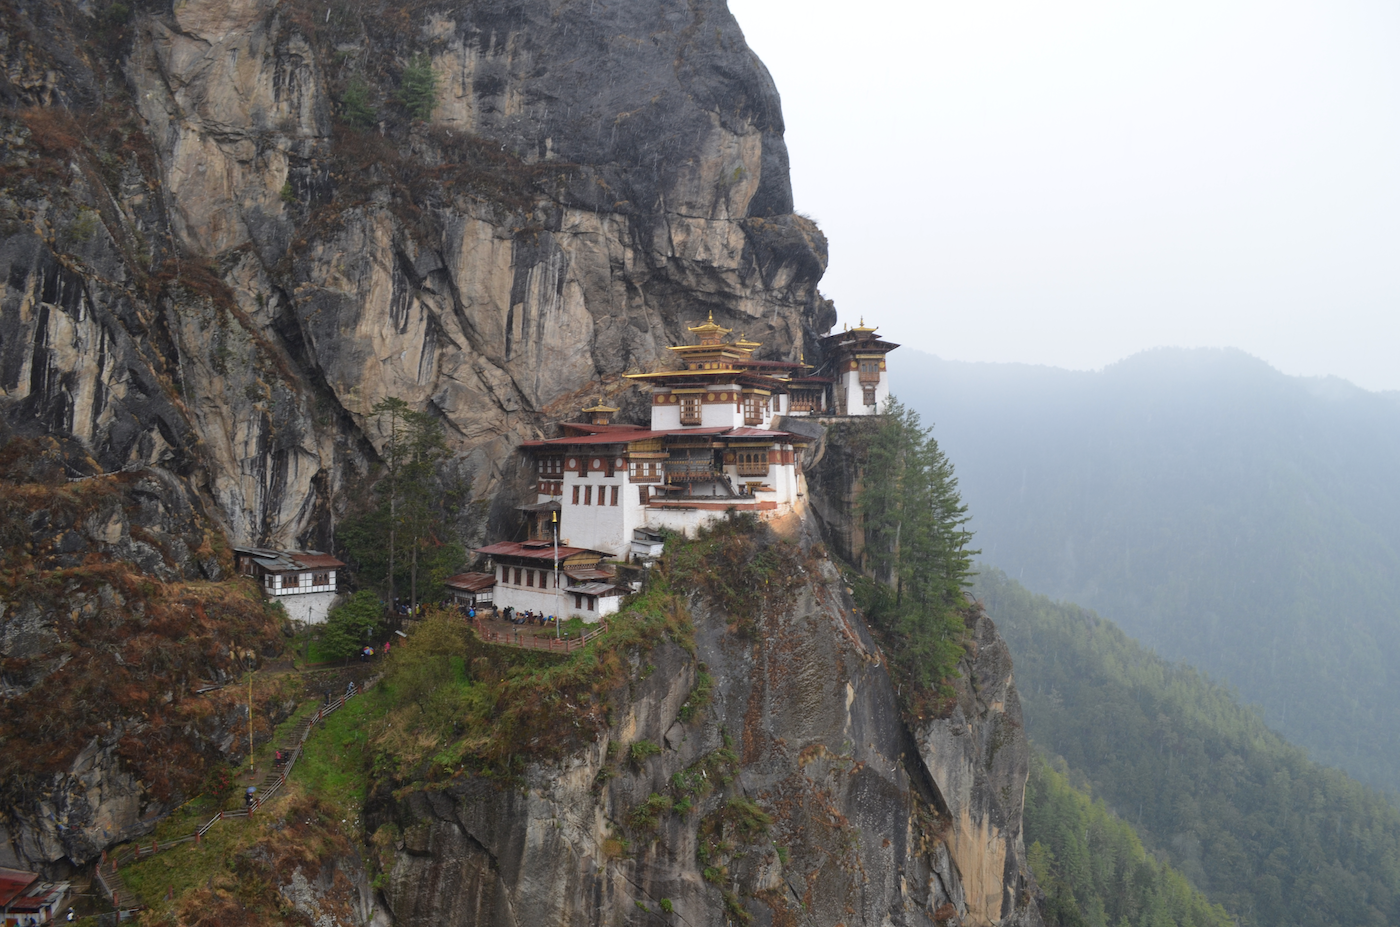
(554, 517)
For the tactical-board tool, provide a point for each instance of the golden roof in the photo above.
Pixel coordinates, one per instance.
(709, 331)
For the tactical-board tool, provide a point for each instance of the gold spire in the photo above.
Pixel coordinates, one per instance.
(709, 332)
(865, 329)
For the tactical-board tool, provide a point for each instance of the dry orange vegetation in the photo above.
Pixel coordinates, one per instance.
(119, 651)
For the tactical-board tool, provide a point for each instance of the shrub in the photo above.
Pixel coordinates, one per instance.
(351, 625)
(641, 751)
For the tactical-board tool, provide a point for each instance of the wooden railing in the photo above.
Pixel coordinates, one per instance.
(108, 877)
(516, 637)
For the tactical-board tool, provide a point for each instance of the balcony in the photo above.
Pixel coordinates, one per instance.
(690, 471)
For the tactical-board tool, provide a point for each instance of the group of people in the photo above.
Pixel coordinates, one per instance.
(528, 616)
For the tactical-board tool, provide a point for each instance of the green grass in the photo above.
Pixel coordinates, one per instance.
(333, 763)
(189, 865)
(332, 767)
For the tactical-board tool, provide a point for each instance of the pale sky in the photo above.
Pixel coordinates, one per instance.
(1071, 182)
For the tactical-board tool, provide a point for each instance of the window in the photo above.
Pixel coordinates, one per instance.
(644, 494)
(247, 566)
(614, 496)
(869, 392)
(575, 495)
(530, 578)
(751, 415)
(517, 576)
(870, 371)
(321, 579)
(690, 410)
(578, 600)
(752, 463)
(591, 602)
(588, 495)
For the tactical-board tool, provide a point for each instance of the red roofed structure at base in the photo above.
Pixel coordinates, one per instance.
(25, 899)
(553, 579)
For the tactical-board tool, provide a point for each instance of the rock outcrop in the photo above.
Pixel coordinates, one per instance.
(797, 795)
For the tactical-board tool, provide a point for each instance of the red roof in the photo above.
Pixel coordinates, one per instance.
(314, 561)
(583, 575)
(614, 438)
(747, 432)
(471, 582)
(13, 882)
(720, 431)
(533, 552)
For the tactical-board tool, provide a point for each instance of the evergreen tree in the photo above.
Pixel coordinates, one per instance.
(402, 538)
(418, 87)
(355, 106)
(916, 544)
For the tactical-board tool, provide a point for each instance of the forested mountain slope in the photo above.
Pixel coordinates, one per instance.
(1222, 512)
(1093, 869)
(1275, 838)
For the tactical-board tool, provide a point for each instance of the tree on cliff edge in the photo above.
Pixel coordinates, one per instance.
(403, 538)
(916, 543)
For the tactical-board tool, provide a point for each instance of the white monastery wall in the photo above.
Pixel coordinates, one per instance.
(310, 607)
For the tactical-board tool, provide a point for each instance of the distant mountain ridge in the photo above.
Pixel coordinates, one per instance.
(1220, 511)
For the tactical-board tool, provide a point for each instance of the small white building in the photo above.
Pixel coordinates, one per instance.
(303, 581)
(550, 579)
(471, 590)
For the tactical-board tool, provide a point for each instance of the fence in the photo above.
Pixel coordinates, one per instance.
(108, 877)
(515, 638)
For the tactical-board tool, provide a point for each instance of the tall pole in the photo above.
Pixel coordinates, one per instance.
(248, 654)
(554, 519)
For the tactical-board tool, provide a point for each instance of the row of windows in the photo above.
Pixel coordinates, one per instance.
(293, 580)
(588, 495)
(529, 577)
(752, 463)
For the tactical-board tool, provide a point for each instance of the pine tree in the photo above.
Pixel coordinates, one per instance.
(418, 87)
(355, 107)
(916, 543)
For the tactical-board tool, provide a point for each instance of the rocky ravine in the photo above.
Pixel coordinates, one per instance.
(871, 822)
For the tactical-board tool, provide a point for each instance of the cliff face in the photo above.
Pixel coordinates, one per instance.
(209, 272)
(804, 796)
(210, 279)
